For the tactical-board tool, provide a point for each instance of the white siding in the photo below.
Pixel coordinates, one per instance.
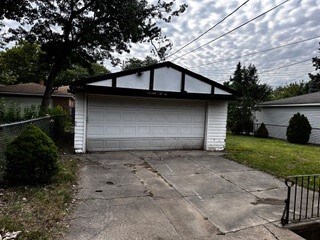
(216, 125)
(80, 123)
(193, 85)
(277, 120)
(135, 81)
(103, 83)
(167, 79)
(220, 91)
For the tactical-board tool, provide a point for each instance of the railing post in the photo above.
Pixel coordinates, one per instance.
(285, 216)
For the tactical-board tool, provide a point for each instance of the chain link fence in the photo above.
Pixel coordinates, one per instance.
(9, 131)
(279, 131)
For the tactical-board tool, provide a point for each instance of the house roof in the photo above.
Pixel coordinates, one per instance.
(87, 84)
(306, 99)
(32, 89)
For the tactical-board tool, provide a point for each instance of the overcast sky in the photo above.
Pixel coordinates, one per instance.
(294, 21)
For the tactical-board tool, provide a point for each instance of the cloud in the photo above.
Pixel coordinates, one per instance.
(293, 21)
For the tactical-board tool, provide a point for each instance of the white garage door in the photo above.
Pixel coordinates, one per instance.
(118, 123)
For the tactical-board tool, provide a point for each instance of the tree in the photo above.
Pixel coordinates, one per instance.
(246, 82)
(85, 31)
(75, 72)
(290, 90)
(315, 78)
(23, 63)
(136, 63)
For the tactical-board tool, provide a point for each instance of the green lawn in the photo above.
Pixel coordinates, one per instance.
(274, 156)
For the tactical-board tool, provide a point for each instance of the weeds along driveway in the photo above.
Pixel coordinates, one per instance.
(175, 195)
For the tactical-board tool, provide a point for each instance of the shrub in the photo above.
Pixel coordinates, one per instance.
(262, 131)
(62, 120)
(243, 126)
(31, 158)
(299, 129)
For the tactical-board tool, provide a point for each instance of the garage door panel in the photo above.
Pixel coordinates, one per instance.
(129, 130)
(115, 123)
(113, 116)
(144, 117)
(96, 130)
(129, 116)
(159, 130)
(96, 116)
(113, 130)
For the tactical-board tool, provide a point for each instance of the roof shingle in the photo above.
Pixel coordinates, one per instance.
(311, 98)
(32, 89)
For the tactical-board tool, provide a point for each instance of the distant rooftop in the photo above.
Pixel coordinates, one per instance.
(33, 89)
(311, 98)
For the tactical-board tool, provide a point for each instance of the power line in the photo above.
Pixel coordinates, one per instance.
(289, 65)
(234, 29)
(261, 51)
(184, 46)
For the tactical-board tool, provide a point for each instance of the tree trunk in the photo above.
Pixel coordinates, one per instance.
(50, 84)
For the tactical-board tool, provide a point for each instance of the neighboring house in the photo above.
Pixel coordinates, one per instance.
(162, 106)
(277, 114)
(28, 94)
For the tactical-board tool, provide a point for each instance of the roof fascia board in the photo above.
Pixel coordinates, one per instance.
(148, 93)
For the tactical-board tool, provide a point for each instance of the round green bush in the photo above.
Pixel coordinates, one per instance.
(31, 158)
(299, 129)
(262, 131)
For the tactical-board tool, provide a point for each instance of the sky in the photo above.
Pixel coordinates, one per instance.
(294, 21)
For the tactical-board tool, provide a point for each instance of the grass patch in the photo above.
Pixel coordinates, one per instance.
(274, 156)
(39, 212)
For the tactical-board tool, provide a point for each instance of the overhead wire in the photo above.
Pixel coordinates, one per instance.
(285, 66)
(208, 30)
(260, 51)
(232, 30)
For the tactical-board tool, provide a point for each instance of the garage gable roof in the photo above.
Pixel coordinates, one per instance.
(164, 79)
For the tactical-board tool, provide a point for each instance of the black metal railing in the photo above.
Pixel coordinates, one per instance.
(303, 198)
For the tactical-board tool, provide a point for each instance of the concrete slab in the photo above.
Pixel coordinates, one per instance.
(219, 164)
(253, 180)
(201, 184)
(129, 218)
(229, 212)
(188, 222)
(97, 182)
(175, 195)
(158, 188)
(279, 193)
(172, 167)
(265, 232)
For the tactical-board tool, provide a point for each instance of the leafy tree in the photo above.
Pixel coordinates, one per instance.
(85, 31)
(290, 90)
(23, 63)
(136, 63)
(74, 72)
(315, 78)
(251, 92)
(314, 84)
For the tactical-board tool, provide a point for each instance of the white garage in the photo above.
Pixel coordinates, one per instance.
(162, 106)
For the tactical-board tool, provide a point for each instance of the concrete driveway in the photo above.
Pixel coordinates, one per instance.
(175, 195)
